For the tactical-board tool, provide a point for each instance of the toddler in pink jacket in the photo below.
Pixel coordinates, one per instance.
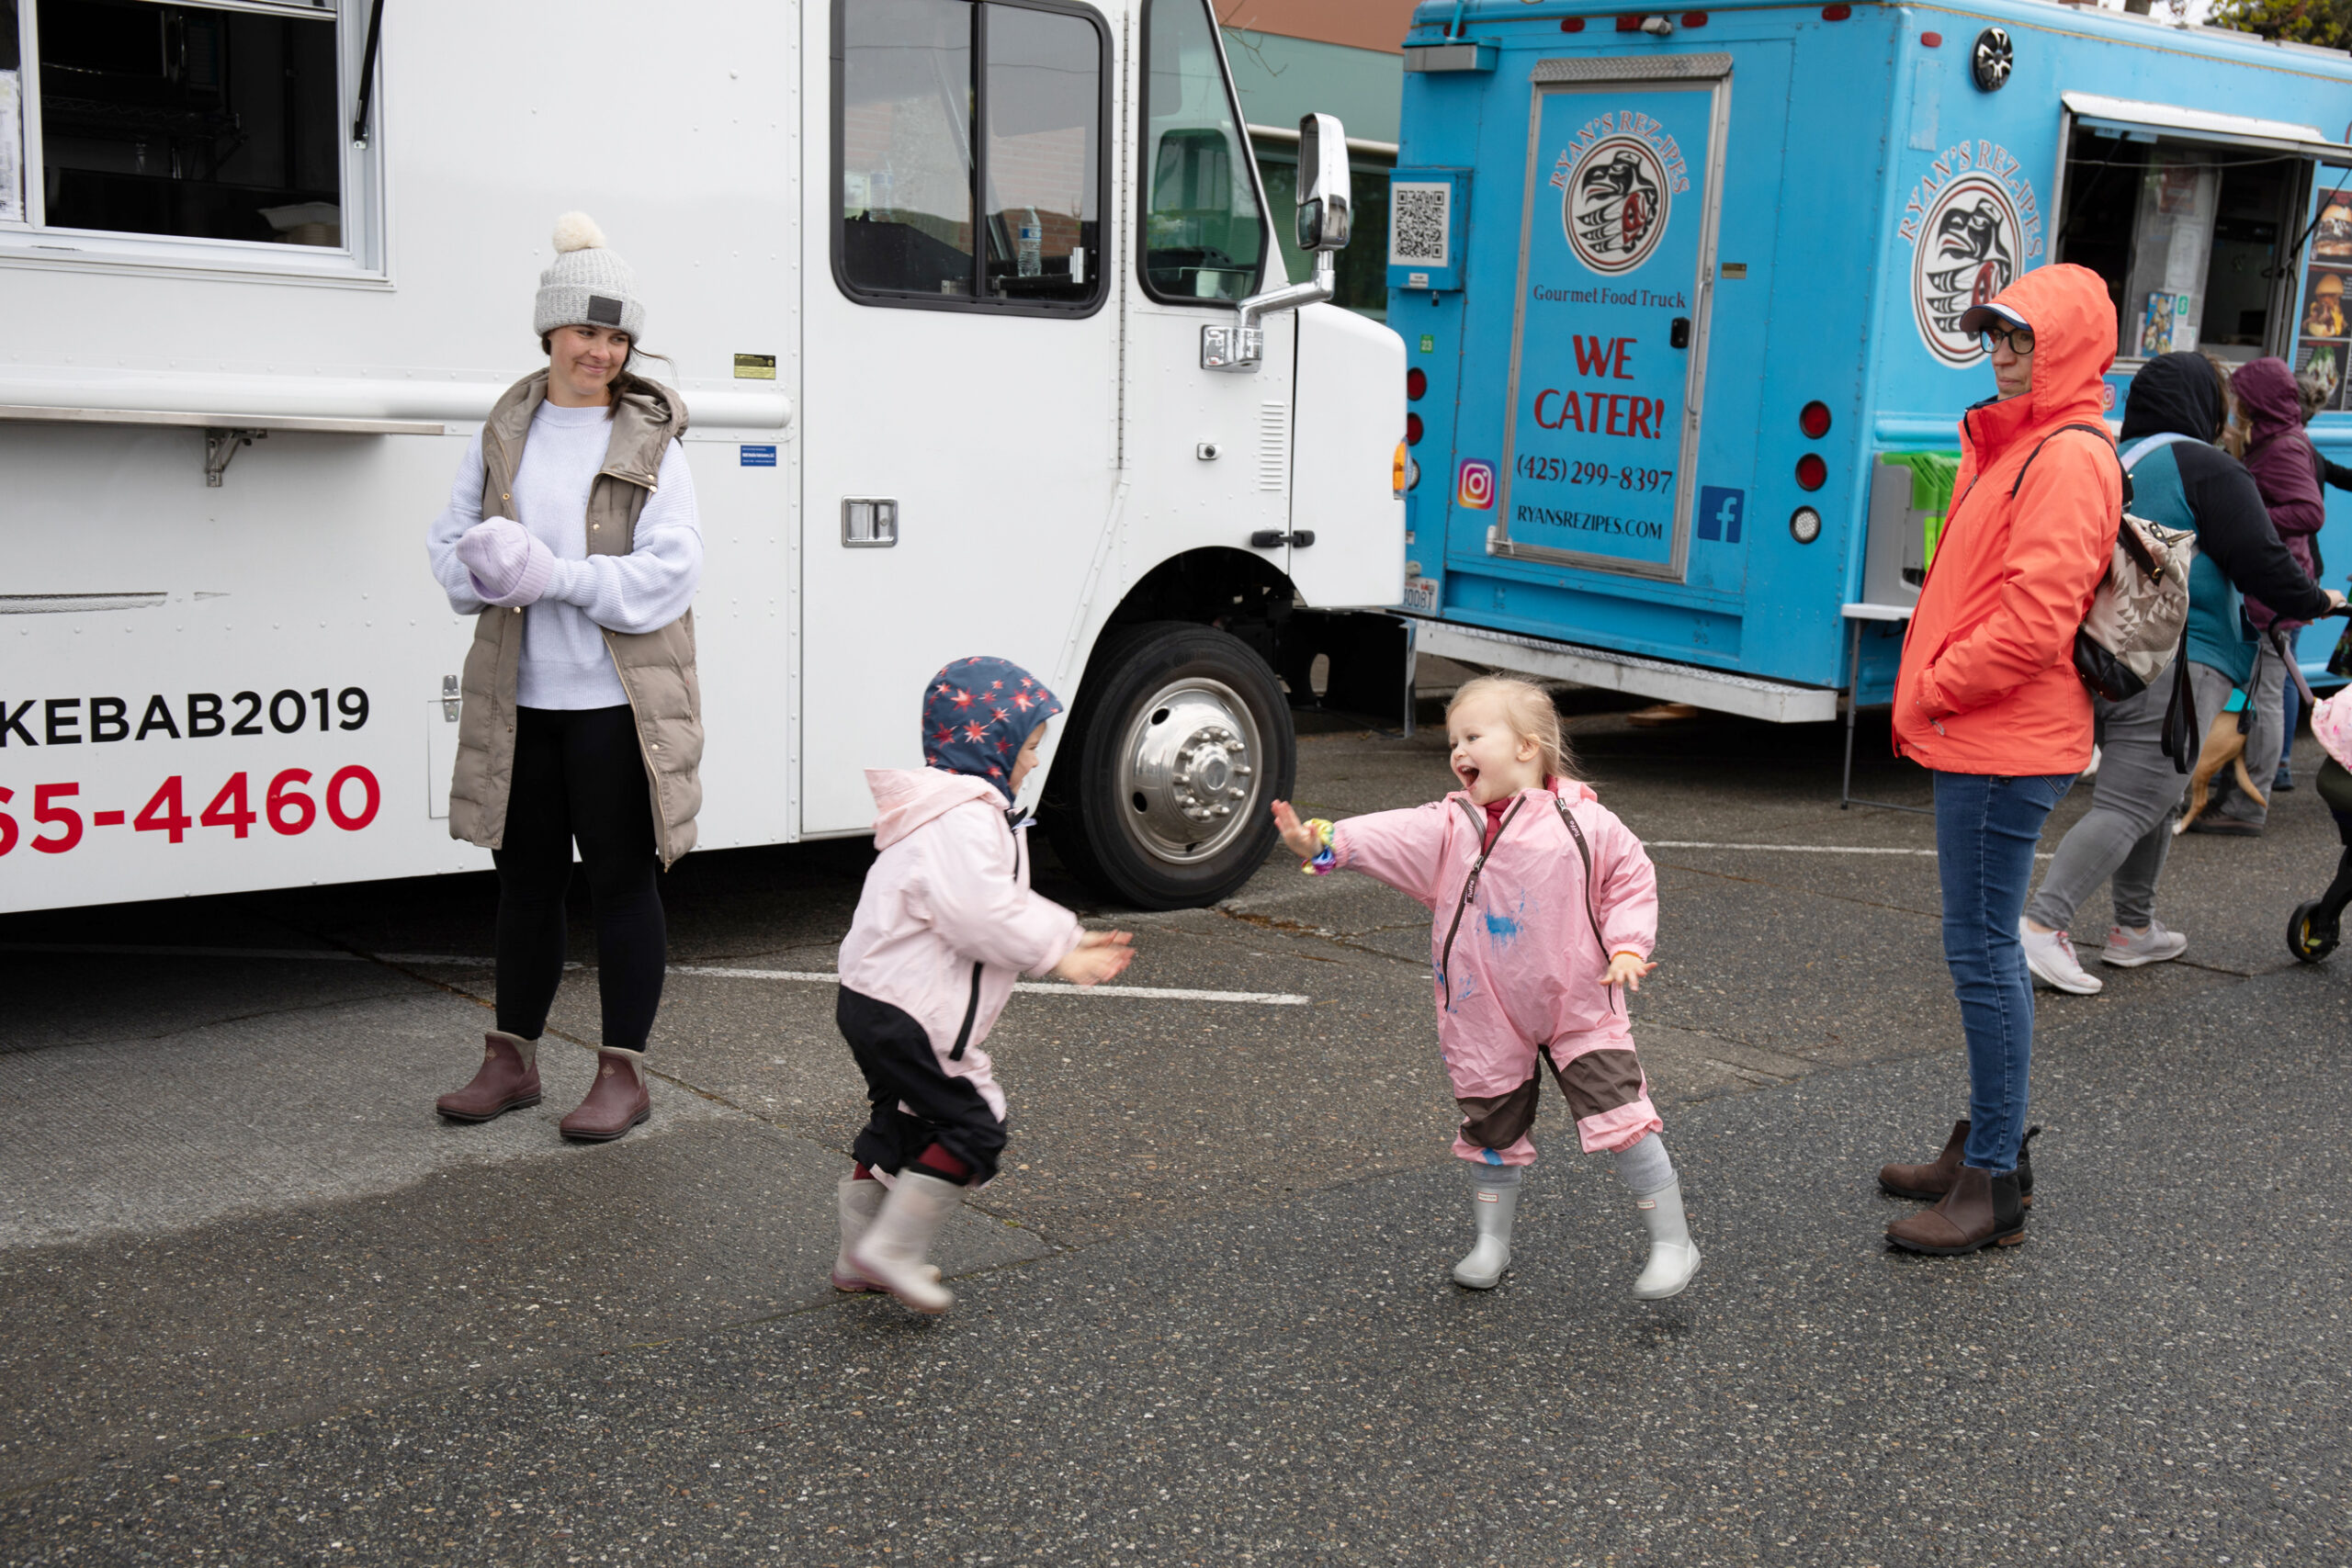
(945, 924)
(1545, 906)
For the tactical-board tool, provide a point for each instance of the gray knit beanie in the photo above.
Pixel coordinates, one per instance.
(588, 285)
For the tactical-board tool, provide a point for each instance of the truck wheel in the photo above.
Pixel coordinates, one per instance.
(1180, 742)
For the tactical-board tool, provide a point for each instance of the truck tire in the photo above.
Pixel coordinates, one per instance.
(1178, 744)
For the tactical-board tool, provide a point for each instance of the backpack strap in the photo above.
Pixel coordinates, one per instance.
(1584, 853)
(2182, 740)
(2098, 430)
(2148, 443)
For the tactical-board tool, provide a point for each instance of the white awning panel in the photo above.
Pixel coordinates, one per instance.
(2131, 116)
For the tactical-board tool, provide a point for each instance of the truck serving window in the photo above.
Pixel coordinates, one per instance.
(192, 120)
(1203, 232)
(949, 107)
(2191, 237)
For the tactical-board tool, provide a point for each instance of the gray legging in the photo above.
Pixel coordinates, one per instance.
(2265, 743)
(2127, 831)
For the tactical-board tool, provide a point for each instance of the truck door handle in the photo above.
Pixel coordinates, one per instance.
(1274, 538)
(1678, 333)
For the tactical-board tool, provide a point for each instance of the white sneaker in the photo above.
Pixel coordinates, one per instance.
(2126, 950)
(2050, 956)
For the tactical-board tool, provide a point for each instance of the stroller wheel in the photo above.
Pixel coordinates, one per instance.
(2310, 934)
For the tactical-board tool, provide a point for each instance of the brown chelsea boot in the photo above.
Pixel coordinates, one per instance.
(1934, 1179)
(1982, 1210)
(616, 1101)
(508, 1080)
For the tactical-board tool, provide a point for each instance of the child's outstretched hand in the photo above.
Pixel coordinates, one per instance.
(1297, 837)
(1627, 968)
(1099, 957)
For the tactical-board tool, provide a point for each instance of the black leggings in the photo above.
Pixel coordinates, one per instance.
(578, 774)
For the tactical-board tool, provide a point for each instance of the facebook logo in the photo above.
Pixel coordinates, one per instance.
(1718, 514)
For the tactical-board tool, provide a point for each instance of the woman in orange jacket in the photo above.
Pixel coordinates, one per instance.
(1988, 700)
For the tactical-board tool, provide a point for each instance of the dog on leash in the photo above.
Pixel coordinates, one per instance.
(2225, 748)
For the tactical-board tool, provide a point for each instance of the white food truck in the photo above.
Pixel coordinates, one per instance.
(974, 307)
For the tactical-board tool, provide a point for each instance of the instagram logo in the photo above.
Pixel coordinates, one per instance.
(1474, 486)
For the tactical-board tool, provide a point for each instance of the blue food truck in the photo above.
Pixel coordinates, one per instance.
(1681, 294)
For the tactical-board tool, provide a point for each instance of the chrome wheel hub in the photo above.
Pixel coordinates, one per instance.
(1188, 770)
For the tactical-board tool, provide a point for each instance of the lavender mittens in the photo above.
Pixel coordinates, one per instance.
(509, 567)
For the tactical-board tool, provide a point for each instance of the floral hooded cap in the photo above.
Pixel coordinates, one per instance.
(977, 715)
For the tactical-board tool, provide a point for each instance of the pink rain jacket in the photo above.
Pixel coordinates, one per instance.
(1532, 942)
(946, 922)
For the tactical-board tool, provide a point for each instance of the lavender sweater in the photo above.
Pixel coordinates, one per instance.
(565, 664)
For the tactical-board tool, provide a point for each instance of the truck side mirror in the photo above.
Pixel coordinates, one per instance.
(1325, 210)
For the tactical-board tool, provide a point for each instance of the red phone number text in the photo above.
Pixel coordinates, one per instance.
(350, 799)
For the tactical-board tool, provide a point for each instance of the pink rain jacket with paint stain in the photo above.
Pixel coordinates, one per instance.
(1530, 949)
(947, 921)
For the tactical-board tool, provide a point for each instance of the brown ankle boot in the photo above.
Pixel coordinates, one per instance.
(1982, 1210)
(1929, 1182)
(616, 1101)
(508, 1080)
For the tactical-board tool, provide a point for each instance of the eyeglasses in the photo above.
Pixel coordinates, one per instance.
(2020, 339)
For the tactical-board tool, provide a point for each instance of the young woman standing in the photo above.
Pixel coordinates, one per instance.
(1988, 700)
(571, 533)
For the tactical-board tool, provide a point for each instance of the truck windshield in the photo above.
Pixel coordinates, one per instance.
(2190, 237)
(1203, 233)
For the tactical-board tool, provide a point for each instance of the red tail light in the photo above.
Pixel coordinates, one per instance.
(1813, 420)
(1417, 381)
(1412, 430)
(1836, 13)
(1812, 472)
(1572, 23)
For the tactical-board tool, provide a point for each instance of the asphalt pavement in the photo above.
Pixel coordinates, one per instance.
(264, 1307)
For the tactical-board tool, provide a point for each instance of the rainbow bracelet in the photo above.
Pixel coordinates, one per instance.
(1325, 861)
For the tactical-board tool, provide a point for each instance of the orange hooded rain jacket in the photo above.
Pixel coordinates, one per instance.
(1988, 682)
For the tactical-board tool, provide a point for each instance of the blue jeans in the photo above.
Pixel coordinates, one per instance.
(1987, 828)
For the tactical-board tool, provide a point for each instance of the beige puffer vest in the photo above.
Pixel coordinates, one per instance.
(657, 669)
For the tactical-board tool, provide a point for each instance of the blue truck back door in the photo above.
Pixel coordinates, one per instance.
(1608, 343)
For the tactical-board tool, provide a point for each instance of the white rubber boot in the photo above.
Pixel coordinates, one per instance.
(860, 1202)
(891, 1253)
(1674, 1256)
(1495, 1207)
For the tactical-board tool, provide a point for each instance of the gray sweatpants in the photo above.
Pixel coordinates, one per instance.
(2127, 833)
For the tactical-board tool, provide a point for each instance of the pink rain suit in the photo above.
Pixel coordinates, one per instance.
(1520, 955)
(947, 921)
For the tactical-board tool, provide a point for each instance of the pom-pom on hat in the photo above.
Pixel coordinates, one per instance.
(588, 285)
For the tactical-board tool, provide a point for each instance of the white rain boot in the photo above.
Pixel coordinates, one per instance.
(1674, 1256)
(1496, 1208)
(891, 1253)
(860, 1202)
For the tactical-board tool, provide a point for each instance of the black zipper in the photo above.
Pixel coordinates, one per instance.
(1469, 888)
(971, 1011)
(972, 1008)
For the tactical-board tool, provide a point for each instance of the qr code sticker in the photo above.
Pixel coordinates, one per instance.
(1417, 225)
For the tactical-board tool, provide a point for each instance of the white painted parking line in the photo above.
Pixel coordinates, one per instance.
(1027, 987)
(1784, 849)
(1794, 848)
(709, 971)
